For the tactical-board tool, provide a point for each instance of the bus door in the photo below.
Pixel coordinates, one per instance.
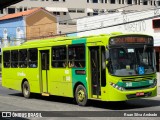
(44, 54)
(95, 71)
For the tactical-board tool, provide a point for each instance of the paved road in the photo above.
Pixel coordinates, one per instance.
(11, 100)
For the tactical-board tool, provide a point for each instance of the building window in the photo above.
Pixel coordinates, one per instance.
(129, 2)
(64, 13)
(32, 58)
(6, 59)
(119, 1)
(80, 10)
(135, 2)
(64, 0)
(95, 1)
(76, 56)
(87, 1)
(158, 3)
(122, 1)
(25, 8)
(1, 11)
(59, 57)
(20, 9)
(101, 1)
(55, 0)
(154, 3)
(62, 23)
(11, 10)
(56, 13)
(145, 3)
(113, 1)
(23, 58)
(72, 10)
(72, 23)
(95, 13)
(14, 58)
(105, 1)
(156, 24)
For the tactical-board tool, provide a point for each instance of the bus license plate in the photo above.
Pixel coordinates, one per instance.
(140, 94)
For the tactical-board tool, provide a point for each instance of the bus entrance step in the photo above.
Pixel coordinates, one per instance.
(45, 94)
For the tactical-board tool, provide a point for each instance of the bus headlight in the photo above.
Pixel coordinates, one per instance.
(154, 83)
(117, 87)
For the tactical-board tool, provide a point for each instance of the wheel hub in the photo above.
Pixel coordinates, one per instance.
(81, 95)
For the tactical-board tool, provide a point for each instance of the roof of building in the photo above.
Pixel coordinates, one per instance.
(20, 14)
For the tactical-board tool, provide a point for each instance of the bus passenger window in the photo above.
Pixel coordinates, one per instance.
(23, 58)
(76, 56)
(33, 58)
(14, 58)
(59, 57)
(6, 59)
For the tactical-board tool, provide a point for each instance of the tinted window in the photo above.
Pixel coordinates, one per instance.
(14, 58)
(6, 59)
(59, 56)
(76, 56)
(32, 59)
(23, 58)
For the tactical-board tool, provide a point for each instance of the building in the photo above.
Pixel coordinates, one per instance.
(144, 22)
(68, 10)
(31, 24)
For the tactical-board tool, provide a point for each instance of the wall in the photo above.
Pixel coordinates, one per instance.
(137, 22)
(41, 24)
(12, 32)
(78, 4)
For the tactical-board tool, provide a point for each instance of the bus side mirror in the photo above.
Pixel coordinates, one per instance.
(107, 54)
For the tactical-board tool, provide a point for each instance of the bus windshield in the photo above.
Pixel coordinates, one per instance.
(126, 61)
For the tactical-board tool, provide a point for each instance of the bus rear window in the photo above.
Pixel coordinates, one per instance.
(6, 59)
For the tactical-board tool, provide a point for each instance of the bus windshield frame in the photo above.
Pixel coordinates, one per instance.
(131, 58)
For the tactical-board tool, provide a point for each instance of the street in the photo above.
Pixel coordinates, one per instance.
(11, 100)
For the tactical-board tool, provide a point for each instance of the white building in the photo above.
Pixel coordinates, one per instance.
(68, 10)
(145, 22)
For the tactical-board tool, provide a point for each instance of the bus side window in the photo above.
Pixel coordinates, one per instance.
(76, 56)
(14, 58)
(23, 58)
(59, 57)
(6, 59)
(32, 58)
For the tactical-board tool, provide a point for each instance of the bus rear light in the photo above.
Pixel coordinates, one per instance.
(117, 87)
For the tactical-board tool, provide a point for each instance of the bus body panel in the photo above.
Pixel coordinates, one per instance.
(62, 81)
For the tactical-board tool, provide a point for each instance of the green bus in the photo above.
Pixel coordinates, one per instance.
(107, 67)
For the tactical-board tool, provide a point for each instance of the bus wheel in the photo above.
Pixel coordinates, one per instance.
(81, 95)
(26, 89)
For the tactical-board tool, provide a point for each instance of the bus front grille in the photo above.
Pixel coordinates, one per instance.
(141, 78)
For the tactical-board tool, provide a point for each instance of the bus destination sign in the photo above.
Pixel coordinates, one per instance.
(130, 40)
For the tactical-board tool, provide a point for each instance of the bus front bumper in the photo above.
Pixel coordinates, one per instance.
(117, 95)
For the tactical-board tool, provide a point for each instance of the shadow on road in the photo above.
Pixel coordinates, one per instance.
(132, 104)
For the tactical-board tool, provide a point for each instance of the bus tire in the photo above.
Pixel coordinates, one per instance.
(81, 95)
(26, 89)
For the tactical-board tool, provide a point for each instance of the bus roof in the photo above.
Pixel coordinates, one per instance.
(47, 41)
